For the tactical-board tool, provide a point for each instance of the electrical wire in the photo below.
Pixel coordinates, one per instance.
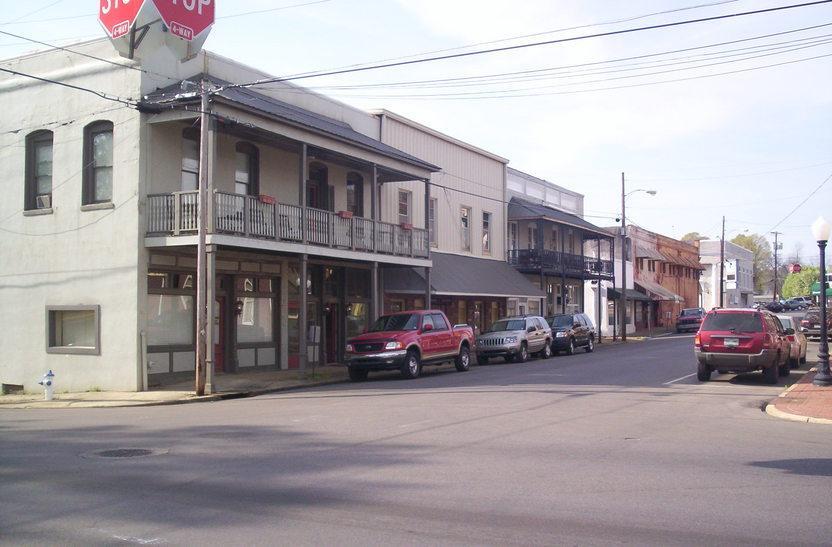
(115, 98)
(799, 205)
(532, 44)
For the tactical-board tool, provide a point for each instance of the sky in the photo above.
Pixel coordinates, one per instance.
(751, 145)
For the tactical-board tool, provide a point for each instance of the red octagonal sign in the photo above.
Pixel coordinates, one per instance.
(186, 18)
(118, 16)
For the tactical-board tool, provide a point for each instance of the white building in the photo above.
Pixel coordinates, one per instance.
(738, 279)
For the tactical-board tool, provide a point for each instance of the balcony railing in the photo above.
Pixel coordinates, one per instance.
(177, 213)
(555, 262)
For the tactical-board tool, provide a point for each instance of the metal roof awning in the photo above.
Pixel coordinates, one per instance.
(457, 275)
(657, 292)
(646, 251)
(629, 294)
(519, 209)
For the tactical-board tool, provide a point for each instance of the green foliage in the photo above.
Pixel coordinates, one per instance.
(690, 237)
(763, 262)
(800, 284)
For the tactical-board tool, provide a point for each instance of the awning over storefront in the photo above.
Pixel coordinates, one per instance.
(457, 275)
(629, 294)
(657, 292)
(682, 261)
(646, 251)
(520, 209)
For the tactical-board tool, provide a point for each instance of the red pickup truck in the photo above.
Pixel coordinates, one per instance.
(406, 341)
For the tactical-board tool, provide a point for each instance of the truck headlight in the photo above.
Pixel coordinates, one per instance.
(349, 348)
(511, 339)
(393, 345)
(560, 334)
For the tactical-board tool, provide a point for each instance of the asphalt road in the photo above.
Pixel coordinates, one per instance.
(619, 446)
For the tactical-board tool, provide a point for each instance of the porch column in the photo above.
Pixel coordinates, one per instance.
(562, 271)
(539, 244)
(612, 258)
(374, 213)
(284, 320)
(302, 318)
(374, 304)
(428, 304)
(598, 320)
(303, 175)
(211, 297)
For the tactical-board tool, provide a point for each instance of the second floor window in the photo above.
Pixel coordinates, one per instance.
(512, 236)
(532, 237)
(404, 207)
(98, 162)
(486, 232)
(38, 170)
(245, 175)
(465, 223)
(355, 194)
(190, 160)
(432, 220)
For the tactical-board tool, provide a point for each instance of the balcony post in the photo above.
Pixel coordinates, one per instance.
(352, 233)
(177, 212)
(246, 216)
(276, 221)
(303, 169)
(302, 315)
(374, 294)
(374, 212)
(427, 218)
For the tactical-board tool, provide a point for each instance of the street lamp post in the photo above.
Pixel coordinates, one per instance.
(623, 310)
(821, 229)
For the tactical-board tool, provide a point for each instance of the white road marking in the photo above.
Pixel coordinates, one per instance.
(678, 379)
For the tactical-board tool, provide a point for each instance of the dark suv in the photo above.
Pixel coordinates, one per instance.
(810, 325)
(572, 330)
(739, 340)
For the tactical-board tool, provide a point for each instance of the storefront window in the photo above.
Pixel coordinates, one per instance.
(170, 320)
(358, 283)
(357, 316)
(254, 323)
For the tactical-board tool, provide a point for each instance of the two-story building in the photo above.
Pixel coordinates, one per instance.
(470, 279)
(99, 253)
(738, 275)
(551, 243)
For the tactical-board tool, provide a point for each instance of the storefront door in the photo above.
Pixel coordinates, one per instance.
(219, 334)
(333, 332)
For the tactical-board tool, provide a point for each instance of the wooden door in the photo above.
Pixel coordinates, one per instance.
(333, 331)
(219, 334)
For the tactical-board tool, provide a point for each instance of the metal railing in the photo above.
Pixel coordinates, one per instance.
(556, 261)
(177, 213)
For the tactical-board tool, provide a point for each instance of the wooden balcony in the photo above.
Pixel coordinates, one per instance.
(557, 263)
(248, 216)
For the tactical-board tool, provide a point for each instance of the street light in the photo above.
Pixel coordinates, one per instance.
(624, 255)
(821, 229)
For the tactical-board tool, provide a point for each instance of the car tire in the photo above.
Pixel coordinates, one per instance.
(412, 366)
(463, 360)
(590, 345)
(546, 352)
(482, 360)
(770, 374)
(783, 370)
(703, 373)
(570, 349)
(358, 374)
(523, 355)
(794, 363)
(802, 360)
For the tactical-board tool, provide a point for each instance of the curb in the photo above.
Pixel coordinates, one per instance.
(772, 410)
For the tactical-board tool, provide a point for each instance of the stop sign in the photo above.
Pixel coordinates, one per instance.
(186, 18)
(117, 16)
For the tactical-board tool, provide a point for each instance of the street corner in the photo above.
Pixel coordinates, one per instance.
(803, 402)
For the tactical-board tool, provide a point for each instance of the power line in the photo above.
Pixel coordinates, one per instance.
(268, 10)
(129, 102)
(533, 44)
(799, 205)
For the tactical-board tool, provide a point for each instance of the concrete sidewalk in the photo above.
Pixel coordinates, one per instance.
(804, 402)
(228, 386)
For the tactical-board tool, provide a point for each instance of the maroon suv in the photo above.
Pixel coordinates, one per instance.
(739, 340)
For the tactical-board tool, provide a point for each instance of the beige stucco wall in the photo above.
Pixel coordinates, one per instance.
(69, 257)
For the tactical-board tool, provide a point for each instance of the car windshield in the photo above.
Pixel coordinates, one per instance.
(738, 322)
(691, 311)
(561, 321)
(786, 321)
(399, 321)
(508, 325)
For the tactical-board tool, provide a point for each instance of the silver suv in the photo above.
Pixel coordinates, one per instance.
(514, 339)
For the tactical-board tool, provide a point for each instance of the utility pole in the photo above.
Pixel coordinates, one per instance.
(201, 258)
(623, 310)
(776, 245)
(722, 267)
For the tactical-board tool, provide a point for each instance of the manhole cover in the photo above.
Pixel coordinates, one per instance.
(125, 453)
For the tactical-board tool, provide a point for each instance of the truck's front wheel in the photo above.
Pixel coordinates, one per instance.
(412, 366)
(463, 360)
(358, 374)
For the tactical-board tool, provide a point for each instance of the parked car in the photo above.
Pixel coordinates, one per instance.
(690, 319)
(810, 324)
(407, 341)
(797, 341)
(741, 340)
(807, 301)
(774, 306)
(570, 331)
(514, 339)
(793, 304)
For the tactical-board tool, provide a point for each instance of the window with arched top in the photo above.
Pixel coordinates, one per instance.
(38, 177)
(247, 171)
(98, 163)
(317, 187)
(355, 194)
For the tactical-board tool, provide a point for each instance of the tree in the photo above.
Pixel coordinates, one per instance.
(690, 237)
(762, 262)
(800, 284)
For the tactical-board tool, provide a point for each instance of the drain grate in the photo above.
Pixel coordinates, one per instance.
(122, 453)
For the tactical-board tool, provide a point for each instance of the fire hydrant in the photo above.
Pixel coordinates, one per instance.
(46, 382)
